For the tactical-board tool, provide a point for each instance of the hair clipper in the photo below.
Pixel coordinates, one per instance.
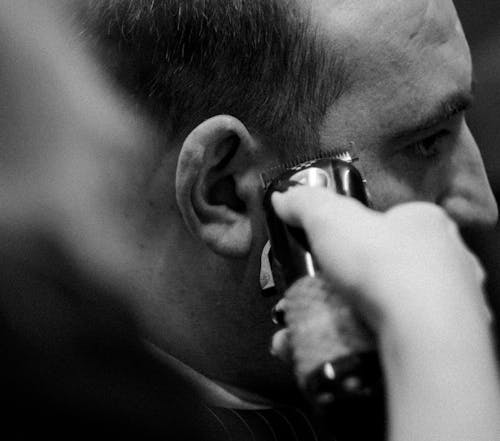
(290, 249)
(291, 259)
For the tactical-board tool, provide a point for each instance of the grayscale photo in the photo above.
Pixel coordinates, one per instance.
(250, 220)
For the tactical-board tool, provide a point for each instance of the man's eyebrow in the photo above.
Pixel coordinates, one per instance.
(445, 110)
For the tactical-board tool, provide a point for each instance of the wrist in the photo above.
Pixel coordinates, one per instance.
(433, 346)
(440, 374)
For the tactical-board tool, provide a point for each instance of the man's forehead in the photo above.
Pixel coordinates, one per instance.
(401, 56)
(391, 38)
(415, 18)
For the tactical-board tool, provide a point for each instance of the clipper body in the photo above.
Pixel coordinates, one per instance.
(350, 385)
(291, 252)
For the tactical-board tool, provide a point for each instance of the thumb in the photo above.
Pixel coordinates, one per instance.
(338, 228)
(315, 207)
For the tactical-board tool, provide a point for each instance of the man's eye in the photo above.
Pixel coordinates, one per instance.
(428, 148)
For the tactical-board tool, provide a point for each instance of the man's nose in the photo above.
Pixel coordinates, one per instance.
(468, 197)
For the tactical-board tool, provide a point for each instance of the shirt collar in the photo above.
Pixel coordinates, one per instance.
(214, 393)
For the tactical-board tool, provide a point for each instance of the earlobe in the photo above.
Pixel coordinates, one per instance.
(214, 161)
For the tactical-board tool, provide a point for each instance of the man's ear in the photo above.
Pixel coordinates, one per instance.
(214, 184)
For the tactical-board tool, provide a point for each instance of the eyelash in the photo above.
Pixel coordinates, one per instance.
(427, 148)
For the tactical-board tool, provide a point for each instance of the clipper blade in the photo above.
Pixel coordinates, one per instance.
(275, 173)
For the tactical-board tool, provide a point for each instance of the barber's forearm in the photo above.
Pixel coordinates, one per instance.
(442, 380)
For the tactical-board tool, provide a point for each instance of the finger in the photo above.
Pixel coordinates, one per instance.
(281, 346)
(478, 269)
(301, 205)
(338, 228)
(481, 277)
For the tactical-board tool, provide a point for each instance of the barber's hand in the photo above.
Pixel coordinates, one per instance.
(406, 264)
(412, 279)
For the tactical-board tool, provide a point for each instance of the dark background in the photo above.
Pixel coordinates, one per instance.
(481, 22)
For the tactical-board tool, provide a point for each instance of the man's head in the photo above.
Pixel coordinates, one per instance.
(237, 86)
(261, 62)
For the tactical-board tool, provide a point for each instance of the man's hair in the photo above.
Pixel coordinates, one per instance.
(183, 61)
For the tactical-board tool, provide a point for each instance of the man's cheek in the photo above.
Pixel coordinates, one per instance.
(388, 191)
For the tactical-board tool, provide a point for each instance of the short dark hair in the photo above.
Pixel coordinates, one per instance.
(261, 61)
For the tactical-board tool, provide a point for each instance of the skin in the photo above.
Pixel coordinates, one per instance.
(202, 256)
(195, 261)
(401, 77)
(428, 312)
(84, 176)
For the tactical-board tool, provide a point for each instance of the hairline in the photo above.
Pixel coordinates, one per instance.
(308, 45)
